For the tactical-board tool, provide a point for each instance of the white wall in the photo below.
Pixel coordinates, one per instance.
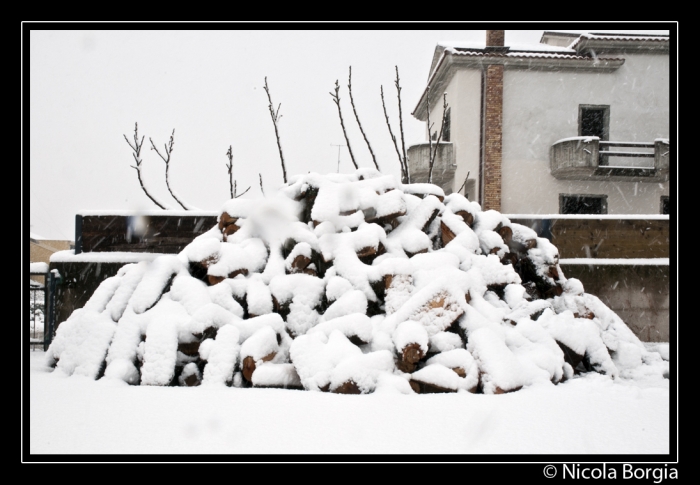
(464, 100)
(542, 107)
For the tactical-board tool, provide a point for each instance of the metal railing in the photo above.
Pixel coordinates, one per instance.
(587, 157)
(42, 309)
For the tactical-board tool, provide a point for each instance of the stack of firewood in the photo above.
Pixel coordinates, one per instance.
(348, 284)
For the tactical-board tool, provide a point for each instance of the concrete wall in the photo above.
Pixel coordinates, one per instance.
(638, 294)
(40, 251)
(542, 107)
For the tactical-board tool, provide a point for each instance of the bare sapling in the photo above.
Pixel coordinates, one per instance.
(352, 102)
(404, 169)
(437, 142)
(336, 100)
(168, 150)
(232, 183)
(136, 147)
(275, 114)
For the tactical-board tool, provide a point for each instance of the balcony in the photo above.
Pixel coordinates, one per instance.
(443, 168)
(589, 158)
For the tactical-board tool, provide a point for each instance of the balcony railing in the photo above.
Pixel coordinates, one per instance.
(443, 168)
(589, 158)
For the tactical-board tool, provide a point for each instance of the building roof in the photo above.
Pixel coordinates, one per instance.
(579, 54)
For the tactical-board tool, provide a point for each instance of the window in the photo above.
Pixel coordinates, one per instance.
(594, 120)
(446, 129)
(583, 204)
(664, 204)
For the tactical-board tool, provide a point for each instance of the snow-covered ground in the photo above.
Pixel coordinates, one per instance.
(588, 414)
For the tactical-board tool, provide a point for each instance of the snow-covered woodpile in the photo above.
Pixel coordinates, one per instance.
(351, 283)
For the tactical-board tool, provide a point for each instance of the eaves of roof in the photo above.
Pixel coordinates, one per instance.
(634, 42)
(514, 60)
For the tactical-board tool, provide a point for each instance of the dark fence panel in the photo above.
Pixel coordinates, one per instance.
(144, 233)
(603, 238)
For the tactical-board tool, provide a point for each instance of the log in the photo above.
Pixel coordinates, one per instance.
(347, 387)
(218, 279)
(386, 219)
(366, 251)
(570, 357)
(446, 234)
(430, 220)
(510, 258)
(310, 271)
(466, 217)
(506, 233)
(504, 391)
(411, 354)
(192, 380)
(369, 253)
(226, 220)
(249, 365)
(422, 251)
(300, 263)
(191, 348)
(427, 388)
(213, 280)
(230, 229)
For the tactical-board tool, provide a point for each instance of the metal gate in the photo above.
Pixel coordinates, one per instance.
(42, 309)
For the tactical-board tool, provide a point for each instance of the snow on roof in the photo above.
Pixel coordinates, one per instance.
(528, 47)
(38, 268)
(566, 54)
(624, 38)
(613, 36)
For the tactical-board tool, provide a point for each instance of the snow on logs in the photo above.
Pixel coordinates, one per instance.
(351, 283)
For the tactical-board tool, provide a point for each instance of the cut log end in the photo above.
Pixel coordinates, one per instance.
(466, 217)
(248, 368)
(412, 353)
(347, 387)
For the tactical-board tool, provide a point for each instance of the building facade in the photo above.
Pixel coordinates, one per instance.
(575, 124)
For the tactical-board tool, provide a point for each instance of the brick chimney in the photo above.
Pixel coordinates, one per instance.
(495, 38)
(492, 123)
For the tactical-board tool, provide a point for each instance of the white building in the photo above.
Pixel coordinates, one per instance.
(529, 124)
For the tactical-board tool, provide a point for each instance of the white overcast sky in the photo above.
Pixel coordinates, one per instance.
(88, 87)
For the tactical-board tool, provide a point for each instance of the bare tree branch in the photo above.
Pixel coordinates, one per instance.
(437, 142)
(229, 166)
(244, 192)
(136, 147)
(403, 143)
(430, 137)
(275, 116)
(166, 159)
(352, 101)
(336, 99)
(232, 183)
(261, 185)
(464, 184)
(404, 178)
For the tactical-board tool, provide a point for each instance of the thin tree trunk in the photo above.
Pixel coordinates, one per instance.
(336, 99)
(352, 101)
(275, 117)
